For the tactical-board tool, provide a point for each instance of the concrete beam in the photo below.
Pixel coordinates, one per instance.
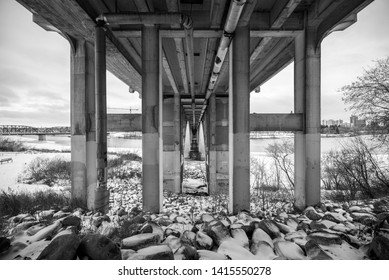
(276, 122)
(124, 122)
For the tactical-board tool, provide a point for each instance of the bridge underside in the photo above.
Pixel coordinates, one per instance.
(195, 62)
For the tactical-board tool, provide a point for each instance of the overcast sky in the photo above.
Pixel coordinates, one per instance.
(35, 69)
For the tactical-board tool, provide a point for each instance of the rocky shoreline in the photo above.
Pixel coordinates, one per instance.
(329, 232)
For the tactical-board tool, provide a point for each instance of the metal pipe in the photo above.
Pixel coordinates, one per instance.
(146, 18)
(234, 12)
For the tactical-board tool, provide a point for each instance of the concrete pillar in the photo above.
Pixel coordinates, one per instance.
(177, 143)
(240, 121)
(312, 117)
(299, 137)
(82, 118)
(102, 193)
(42, 137)
(172, 144)
(194, 145)
(152, 195)
(212, 159)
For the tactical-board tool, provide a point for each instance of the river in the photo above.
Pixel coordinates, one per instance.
(119, 144)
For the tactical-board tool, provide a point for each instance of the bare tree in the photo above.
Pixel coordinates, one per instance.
(368, 97)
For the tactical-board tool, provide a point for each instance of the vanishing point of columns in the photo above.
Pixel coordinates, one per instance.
(226, 124)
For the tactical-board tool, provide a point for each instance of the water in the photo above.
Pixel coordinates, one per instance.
(118, 144)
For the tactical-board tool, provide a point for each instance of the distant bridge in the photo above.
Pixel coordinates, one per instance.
(29, 130)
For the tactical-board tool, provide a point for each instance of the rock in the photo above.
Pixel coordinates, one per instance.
(60, 214)
(152, 227)
(295, 235)
(341, 228)
(5, 243)
(203, 241)
(261, 236)
(270, 227)
(13, 251)
(312, 214)
(43, 233)
(315, 252)
(71, 221)
(188, 238)
(379, 247)
(334, 217)
(173, 242)
(292, 223)
(217, 231)
(355, 208)
(262, 251)
(127, 253)
(32, 251)
(138, 220)
(98, 247)
(361, 217)
(46, 215)
(324, 224)
(206, 218)
(234, 250)
(34, 229)
(107, 229)
(210, 255)
(381, 205)
(63, 247)
(324, 238)
(140, 241)
(121, 212)
(156, 252)
(289, 250)
(186, 253)
(163, 221)
(284, 228)
(21, 227)
(241, 237)
(170, 231)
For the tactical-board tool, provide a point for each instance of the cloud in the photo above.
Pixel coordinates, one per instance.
(7, 96)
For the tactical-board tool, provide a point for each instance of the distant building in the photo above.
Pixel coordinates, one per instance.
(354, 122)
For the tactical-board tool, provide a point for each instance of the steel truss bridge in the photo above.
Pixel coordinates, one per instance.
(29, 130)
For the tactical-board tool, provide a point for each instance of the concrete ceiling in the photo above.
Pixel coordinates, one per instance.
(269, 54)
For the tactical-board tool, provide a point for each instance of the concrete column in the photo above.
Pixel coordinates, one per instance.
(240, 121)
(172, 144)
(151, 119)
(102, 193)
(299, 137)
(312, 118)
(82, 117)
(194, 145)
(177, 143)
(212, 159)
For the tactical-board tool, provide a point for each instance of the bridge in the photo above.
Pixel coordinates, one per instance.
(29, 130)
(193, 62)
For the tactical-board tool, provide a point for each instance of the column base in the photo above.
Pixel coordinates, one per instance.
(195, 155)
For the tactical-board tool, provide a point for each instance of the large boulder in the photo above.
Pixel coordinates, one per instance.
(140, 241)
(270, 227)
(379, 247)
(98, 247)
(156, 252)
(63, 247)
(5, 243)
